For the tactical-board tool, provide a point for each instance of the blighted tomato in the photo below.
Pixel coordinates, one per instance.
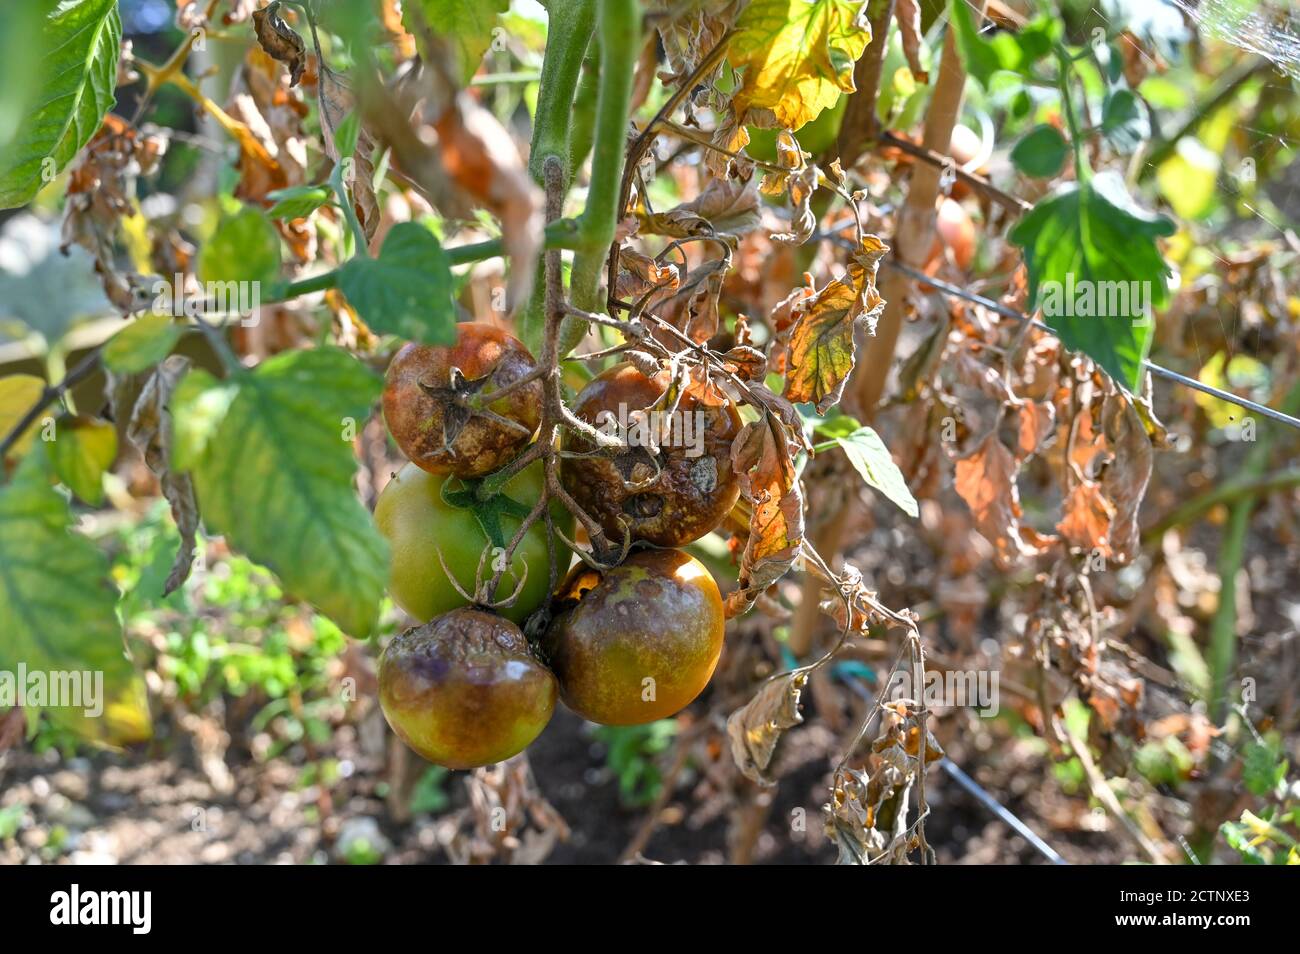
(638, 642)
(434, 401)
(420, 523)
(674, 482)
(465, 689)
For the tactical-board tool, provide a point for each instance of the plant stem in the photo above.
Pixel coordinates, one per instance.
(620, 31)
(1082, 171)
(569, 29)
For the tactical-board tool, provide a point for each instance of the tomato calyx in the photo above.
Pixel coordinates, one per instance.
(487, 509)
(461, 400)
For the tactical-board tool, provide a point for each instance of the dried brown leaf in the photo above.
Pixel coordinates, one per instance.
(757, 727)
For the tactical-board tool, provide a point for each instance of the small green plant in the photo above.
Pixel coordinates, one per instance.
(1267, 835)
(632, 754)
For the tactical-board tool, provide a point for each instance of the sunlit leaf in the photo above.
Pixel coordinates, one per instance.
(822, 340)
(798, 58)
(59, 609)
(82, 450)
(873, 462)
(18, 395)
(275, 476)
(1096, 272)
(141, 344)
(73, 89)
(468, 24)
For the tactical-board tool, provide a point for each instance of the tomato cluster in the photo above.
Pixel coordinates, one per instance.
(622, 645)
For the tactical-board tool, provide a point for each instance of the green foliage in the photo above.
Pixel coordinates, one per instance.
(82, 450)
(1014, 52)
(244, 248)
(59, 605)
(300, 201)
(141, 344)
(869, 457)
(1041, 152)
(1086, 234)
(272, 461)
(1124, 120)
(73, 90)
(468, 24)
(632, 754)
(406, 291)
(429, 796)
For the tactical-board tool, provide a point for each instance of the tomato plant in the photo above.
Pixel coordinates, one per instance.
(879, 308)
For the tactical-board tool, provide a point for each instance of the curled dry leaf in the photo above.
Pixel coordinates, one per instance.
(822, 341)
(693, 308)
(101, 193)
(725, 207)
(280, 41)
(336, 101)
(1086, 520)
(986, 480)
(756, 727)
(1125, 480)
(868, 812)
(762, 459)
(508, 818)
(639, 274)
(908, 15)
(150, 430)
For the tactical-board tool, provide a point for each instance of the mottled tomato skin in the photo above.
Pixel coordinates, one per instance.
(418, 524)
(657, 616)
(465, 689)
(416, 417)
(691, 494)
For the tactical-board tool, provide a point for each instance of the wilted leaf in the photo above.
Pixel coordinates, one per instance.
(1085, 523)
(73, 90)
(1125, 480)
(798, 57)
(762, 461)
(275, 476)
(60, 608)
(986, 480)
(406, 291)
(280, 41)
(150, 430)
(822, 339)
(756, 728)
(337, 103)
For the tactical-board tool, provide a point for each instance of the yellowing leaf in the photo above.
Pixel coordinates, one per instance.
(18, 395)
(821, 342)
(756, 727)
(82, 449)
(798, 57)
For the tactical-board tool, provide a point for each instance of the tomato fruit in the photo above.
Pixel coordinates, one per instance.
(430, 394)
(418, 524)
(668, 498)
(465, 689)
(637, 642)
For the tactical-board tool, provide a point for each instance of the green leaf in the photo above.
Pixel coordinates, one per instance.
(275, 476)
(19, 393)
(1124, 122)
(1189, 179)
(1079, 244)
(73, 91)
(59, 609)
(82, 450)
(299, 202)
(872, 460)
(199, 405)
(244, 248)
(985, 54)
(467, 23)
(406, 291)
(347, 134)
(141, 344)
(1041, 152)
(1264, 769)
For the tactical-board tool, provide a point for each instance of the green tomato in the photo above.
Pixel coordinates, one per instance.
(419, 525)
